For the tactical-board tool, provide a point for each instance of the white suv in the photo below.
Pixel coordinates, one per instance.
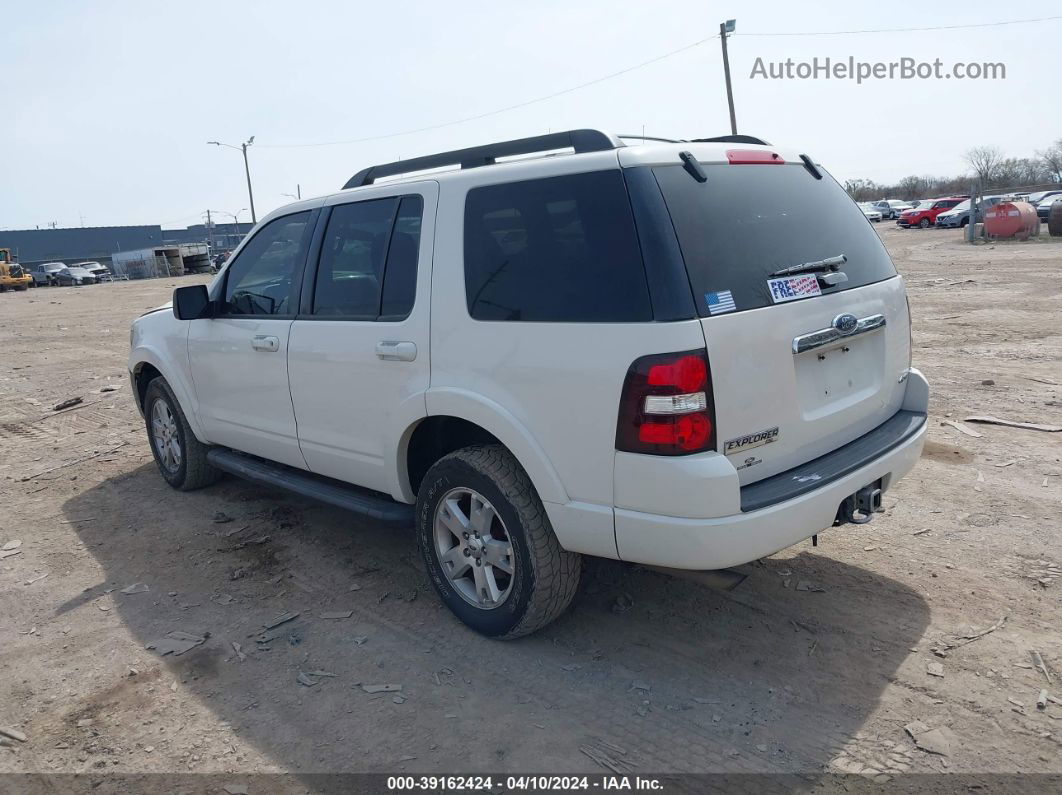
(685, 354)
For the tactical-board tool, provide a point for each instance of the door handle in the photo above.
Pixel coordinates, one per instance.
(396, 351)
(261, 342)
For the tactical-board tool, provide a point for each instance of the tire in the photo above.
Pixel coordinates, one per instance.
(22, 288)
(924, 223)
(963, 222)
(188, 469)
(542, 576)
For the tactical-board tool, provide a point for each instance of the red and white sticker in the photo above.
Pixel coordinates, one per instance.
(790, 288)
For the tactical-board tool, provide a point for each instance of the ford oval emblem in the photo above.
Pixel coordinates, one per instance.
(845, 323)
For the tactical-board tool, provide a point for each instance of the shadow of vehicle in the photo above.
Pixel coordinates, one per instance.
(647, 669)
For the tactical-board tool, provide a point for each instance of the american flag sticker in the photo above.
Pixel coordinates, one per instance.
(720, 302)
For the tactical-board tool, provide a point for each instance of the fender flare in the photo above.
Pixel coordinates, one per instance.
(501, 423)
(179, 383)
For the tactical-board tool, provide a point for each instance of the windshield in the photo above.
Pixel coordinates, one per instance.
(745, 223)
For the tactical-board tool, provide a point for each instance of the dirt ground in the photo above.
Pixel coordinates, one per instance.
(816, 662)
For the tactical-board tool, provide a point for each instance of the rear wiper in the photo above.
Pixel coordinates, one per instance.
(828, 264)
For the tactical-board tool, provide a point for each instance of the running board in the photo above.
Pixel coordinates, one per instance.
(333, 492)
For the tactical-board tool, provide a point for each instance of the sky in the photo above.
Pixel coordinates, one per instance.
(108, 105)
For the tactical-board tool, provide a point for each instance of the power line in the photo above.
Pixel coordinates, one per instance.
(906, 30)
(506, 109)
(643, 64)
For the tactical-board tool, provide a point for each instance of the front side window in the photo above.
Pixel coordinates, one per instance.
(260, 281)
(562, 249)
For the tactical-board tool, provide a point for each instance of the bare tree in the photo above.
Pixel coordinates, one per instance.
(863, 189)
(1052, 160)
(985, 162)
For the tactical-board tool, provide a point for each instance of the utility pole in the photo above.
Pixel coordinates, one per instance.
(210, 233)
(247, 168)
(724, 29)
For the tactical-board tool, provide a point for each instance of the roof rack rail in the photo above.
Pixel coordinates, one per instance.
(476, 156)
(652, 138)
(731, 139)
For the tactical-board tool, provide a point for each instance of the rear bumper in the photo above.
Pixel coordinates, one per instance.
(716, 543)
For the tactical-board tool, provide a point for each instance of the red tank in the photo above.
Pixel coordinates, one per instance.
(1011, 219)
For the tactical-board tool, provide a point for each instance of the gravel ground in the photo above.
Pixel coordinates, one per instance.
(816, 662)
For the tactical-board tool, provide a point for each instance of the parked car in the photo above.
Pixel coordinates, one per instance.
(891, 208)
(46, 273)
(959, 215)
(1036, 198)
(870, 212)
(605, 376)
(74, 276)
(925, 214)
(93, 267)
(1043, 209)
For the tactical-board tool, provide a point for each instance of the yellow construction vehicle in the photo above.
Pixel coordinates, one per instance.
(11, 274)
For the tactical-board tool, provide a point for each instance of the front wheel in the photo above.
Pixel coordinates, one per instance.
(924, 223)
(181, 458)
(488, 545)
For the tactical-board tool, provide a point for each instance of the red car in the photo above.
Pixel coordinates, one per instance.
(925, 214)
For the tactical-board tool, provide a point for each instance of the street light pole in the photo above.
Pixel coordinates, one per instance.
(724, 29)
(247, 170)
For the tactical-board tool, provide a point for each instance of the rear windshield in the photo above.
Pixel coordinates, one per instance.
(745, 223)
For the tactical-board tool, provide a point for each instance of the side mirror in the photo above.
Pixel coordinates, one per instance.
(191, 302)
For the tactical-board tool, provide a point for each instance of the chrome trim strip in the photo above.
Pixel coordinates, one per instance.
(816, 339)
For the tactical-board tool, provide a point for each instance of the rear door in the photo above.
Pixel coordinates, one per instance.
(791, 379)
(359, 358)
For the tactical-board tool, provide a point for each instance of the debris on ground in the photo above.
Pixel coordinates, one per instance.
(68, 403)
(337, 614)
(283, 618)
(381, 688)
(10, 545)
(236, 789)
(177, 643)
(807, 585)
(110, 388)
(964, 429)
(9, 553)
(220, 517)
(608, 756)
(1041, 702)
(961, 640)
(623, 603)
(933, 741)
(136, 587)
(236, 647)
(1029, 426)
(306, 679)
(1038, 661)
(935, 669)
(14, 734)
(360, 639)
(637, 684)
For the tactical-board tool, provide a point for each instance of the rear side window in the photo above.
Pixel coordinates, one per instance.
(368, 264)
(746, 222)
(351, 267)
(562, 249)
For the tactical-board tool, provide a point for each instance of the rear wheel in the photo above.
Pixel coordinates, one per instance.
(181, 458)
(488, 544)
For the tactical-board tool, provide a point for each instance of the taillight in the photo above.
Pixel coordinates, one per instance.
(666, 407)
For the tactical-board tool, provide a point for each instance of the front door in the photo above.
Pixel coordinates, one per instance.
(358, 356)
(239, 357)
